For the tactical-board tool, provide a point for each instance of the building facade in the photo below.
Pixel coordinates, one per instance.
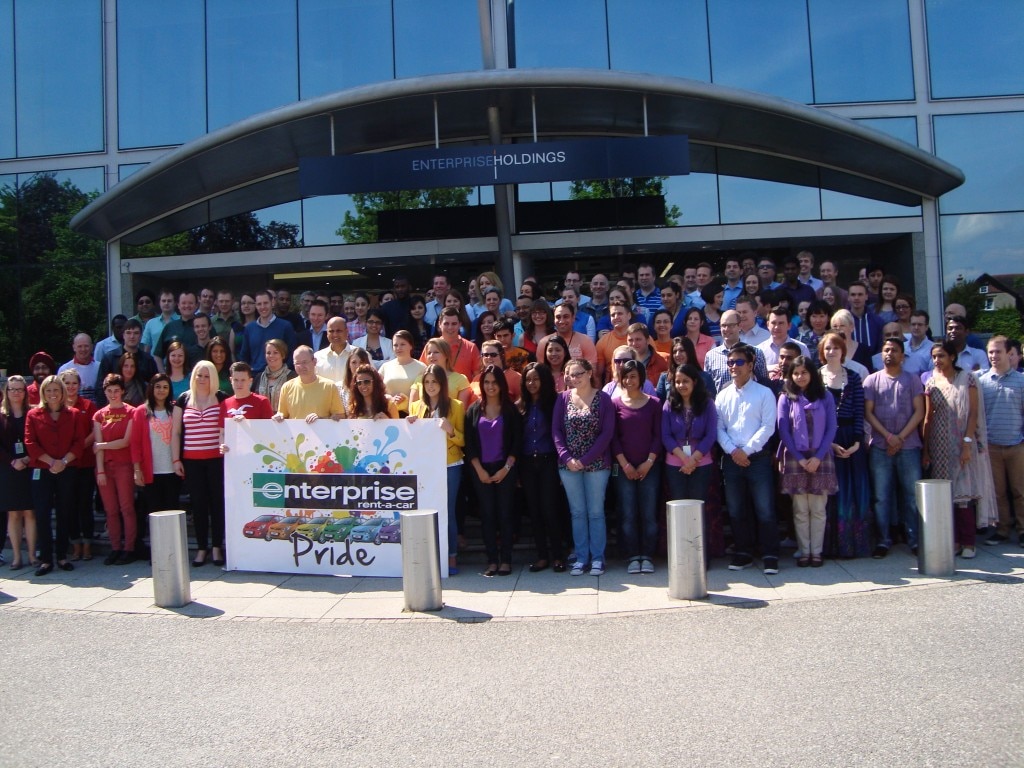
(95, 91)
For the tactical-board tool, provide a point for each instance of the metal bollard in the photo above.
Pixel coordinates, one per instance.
(421, 570)
(171, 585)
(687, 572)
(935, 555)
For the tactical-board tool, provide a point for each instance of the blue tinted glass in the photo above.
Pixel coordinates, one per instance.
(59, 97)
(253, 63)
(8, 181)
(569, 33)
(534, 193)
(161, 72)
(7, 134)
(861, 52)
(976, 243)
(87, 180)
(321, 218)
(761, 46)
(343, 44)
(753, 200)
(286, 213)
(975, 47)
(434, 36)
(696, 196)
(902, 128)
(663, 38)
(989, 149)
(124, 171)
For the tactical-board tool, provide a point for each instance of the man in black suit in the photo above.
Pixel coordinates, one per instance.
(316, 337)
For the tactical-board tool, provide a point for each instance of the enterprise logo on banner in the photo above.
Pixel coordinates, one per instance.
(369, 492)
(495, 164)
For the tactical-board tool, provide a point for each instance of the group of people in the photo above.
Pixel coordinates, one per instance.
(792, 408)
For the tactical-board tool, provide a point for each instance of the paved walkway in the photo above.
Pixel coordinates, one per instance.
(237, 595)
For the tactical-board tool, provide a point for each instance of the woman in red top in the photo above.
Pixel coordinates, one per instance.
(82, 524)
(195, 452)
(54, 436)
(112, 431)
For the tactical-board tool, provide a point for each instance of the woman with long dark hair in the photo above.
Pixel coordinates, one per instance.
(15, 476)
(436, 403)
(377, 345)
(540, 324)
(689, 429)
(153, 466)
(420, 329)
(539, 462)
(273, 377)
(357, 358)
(556, 358)
(367, 399)
(127, 367)
(493, 445)
(218, 352)
(695, 329)
(176, 364)
(807, 428)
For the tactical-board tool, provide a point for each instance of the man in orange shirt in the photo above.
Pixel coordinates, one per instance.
(465, 356)
(618, 313)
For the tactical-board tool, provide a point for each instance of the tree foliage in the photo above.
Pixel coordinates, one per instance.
(361, 226)
(602, 189)
(1005, 321)
(242, 232)
(967, 294)
(54, 280)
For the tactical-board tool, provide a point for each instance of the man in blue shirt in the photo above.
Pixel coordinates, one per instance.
(265, 327)
(1002, 389)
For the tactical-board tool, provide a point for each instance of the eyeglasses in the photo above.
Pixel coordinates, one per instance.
(364, 382)
(728, 325)
(735, 363)
(575, 375)
(765, 266)
(489, 354)
(902, 306)
(374, 322)
(621, 360)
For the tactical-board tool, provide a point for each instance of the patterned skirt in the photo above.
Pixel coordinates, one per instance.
(796, 481)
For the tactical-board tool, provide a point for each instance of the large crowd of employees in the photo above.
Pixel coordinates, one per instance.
(793, 407)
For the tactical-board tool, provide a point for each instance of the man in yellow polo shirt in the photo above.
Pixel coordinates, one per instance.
(308, 396)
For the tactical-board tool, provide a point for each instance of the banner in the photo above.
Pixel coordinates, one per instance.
(482, 165)
(325, 498)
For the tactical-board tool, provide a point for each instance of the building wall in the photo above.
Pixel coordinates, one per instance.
(92, 101)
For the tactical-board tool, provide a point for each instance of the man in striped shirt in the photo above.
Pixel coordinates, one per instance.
(1002, 388)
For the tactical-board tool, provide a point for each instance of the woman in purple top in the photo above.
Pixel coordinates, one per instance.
(494, 440)
(807, 427)
(582, 428)
(636, 446)
(540, 465)
(689, 428)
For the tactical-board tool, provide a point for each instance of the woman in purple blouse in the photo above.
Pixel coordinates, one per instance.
(494, 441)
(689, 428)
(582, 428)
(636, 446)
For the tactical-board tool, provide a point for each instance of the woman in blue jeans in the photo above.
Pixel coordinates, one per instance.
(689, 428)
(636, 446)
(582, 428)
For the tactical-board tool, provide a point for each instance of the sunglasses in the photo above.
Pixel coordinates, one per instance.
(364, 382)
(735, 363)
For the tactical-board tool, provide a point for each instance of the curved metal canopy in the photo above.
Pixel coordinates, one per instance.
(253, 164)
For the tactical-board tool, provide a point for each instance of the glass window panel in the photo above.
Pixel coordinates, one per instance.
(761, 47)
(989, 149)
(287, 214)
(59, 97)
(252, 58)
(903, 128)
(696, 195)
(8, 147)
(321, 218)
(981, 242)
(8, 181)
(663, 38)
(87, 180)
(124, 171)
(342, 45)
(426, 46)
(569, 33)
(161, 73)
(838, 205)
(861, 55)
(974, 48)
(534, 193)
(753, 200)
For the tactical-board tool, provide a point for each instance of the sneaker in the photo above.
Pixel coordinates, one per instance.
(997, 538)
(577, 569)
(771, 565)
(597, 568)
(880, 552)
(646, 566)
(969, 553)
(633, 567)
(112, 557)
(739, 562)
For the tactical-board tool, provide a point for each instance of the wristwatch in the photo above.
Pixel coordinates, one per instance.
(968, 440)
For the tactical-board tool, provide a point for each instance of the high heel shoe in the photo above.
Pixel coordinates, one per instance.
(200, 559)
(218, 557)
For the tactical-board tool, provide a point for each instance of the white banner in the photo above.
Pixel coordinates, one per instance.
(325, 498)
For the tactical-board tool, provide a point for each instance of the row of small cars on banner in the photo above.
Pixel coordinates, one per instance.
(325, 528)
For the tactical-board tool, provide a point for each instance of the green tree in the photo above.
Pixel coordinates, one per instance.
(242, 232)
(967, 294)
(361, 226)
(1005, 321)
(602, 189)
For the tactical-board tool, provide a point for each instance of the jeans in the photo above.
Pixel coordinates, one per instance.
(585, 491)
(118, 494)
(544, 501)
(692, 486)
(902, 470)
(204, 479)
(52, 492)
(759, 525)
(454, 479)
(497, 512)
(638, 507)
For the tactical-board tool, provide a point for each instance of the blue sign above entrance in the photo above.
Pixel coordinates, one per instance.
(476, 166)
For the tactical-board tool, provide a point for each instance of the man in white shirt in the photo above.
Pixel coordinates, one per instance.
(968, 358)
(746, 421)
(332, 361)
(750, 332)
(778, 330)
(86, 365)
(919, 346)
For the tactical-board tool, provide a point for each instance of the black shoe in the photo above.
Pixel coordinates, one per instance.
(126, 558)
(880, 552)
(44, 569)
(771, 565)
(66, 566)
(739, 562)
(218, 562)
(112, 558)
(913, 551)
(997, 538)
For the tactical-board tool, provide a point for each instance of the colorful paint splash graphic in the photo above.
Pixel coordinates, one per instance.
(352, 456)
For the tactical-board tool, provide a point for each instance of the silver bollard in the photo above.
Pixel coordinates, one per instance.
(687, 572)
(421, 569)
(935, 556)
(169, 544)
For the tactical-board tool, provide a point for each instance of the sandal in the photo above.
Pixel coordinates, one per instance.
(816, 561)
(803, 562)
